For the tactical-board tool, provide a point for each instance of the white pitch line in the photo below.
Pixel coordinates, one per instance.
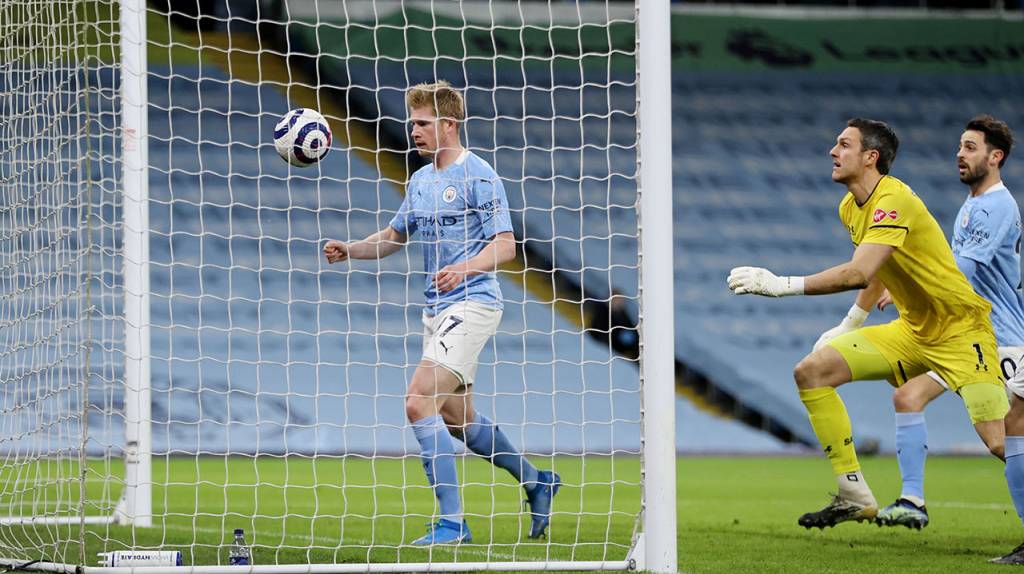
(972, 505)
(333, 542)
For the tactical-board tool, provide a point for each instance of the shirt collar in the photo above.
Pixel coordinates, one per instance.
(997, 186)
(458, 162)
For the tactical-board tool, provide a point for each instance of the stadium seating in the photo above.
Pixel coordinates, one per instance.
(341, 352)
(260, 347)
(236, 237)
(751, 188)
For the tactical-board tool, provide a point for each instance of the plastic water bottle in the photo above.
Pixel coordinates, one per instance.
(239, 554)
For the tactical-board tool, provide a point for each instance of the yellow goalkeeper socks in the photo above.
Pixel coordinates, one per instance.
(832, 426)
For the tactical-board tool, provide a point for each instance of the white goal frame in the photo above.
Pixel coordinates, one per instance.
(654, 548)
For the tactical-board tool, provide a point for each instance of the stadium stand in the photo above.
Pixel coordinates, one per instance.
(246, 317)
(751, 187)
(347, 357)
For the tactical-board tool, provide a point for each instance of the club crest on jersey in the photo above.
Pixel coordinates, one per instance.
(881, 214)
(966, 219)
(449, 193)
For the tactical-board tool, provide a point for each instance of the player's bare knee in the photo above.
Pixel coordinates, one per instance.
(993, 435)
(803, 373)
(419, 402)
(812, 372)
(904, 400)
(998, 448)
(417, 408)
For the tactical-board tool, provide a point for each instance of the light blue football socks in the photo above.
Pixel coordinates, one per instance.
(437, 452)
(1015, 472)
(485, 439)
(911, 452)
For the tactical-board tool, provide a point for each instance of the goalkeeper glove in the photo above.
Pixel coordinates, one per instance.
(758, 281)
(853, 320)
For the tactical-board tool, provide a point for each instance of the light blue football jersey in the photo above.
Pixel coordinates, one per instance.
(987, 230)
(453, 214)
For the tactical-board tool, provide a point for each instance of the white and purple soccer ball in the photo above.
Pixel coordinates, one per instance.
(302, 137)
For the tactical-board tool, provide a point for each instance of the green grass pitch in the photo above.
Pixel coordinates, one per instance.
(736, 514)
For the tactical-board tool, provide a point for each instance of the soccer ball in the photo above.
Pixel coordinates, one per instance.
(302, 137)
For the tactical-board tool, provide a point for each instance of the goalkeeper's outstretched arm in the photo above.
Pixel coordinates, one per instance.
(854, 274)
(857, 273)
(376, 246)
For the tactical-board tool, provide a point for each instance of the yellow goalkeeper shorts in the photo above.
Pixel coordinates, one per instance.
(891, 352)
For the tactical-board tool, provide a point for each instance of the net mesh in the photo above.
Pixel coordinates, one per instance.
(278, 382)
(58, 277)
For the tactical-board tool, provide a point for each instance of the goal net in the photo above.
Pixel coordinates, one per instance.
(180, 361)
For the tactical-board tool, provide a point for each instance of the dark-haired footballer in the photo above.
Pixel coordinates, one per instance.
(944, 325)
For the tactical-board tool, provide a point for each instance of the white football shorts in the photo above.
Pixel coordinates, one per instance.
(1011, 365)
(454, 337)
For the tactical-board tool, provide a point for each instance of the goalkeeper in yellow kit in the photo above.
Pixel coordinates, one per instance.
(943, 326)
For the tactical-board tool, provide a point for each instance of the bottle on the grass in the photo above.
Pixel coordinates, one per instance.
(239, 554)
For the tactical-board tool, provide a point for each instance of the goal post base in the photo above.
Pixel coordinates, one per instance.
(635, 560)
(123, 517)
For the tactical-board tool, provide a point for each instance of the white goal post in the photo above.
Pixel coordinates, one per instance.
(179, 360)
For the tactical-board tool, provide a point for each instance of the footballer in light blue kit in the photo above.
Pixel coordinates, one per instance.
(455, 212)
(456, 209)
(986, 244)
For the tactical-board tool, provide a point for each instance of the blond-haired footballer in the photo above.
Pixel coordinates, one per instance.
(456, 208)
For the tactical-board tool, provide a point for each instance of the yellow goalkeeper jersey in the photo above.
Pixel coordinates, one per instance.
(933, 297)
